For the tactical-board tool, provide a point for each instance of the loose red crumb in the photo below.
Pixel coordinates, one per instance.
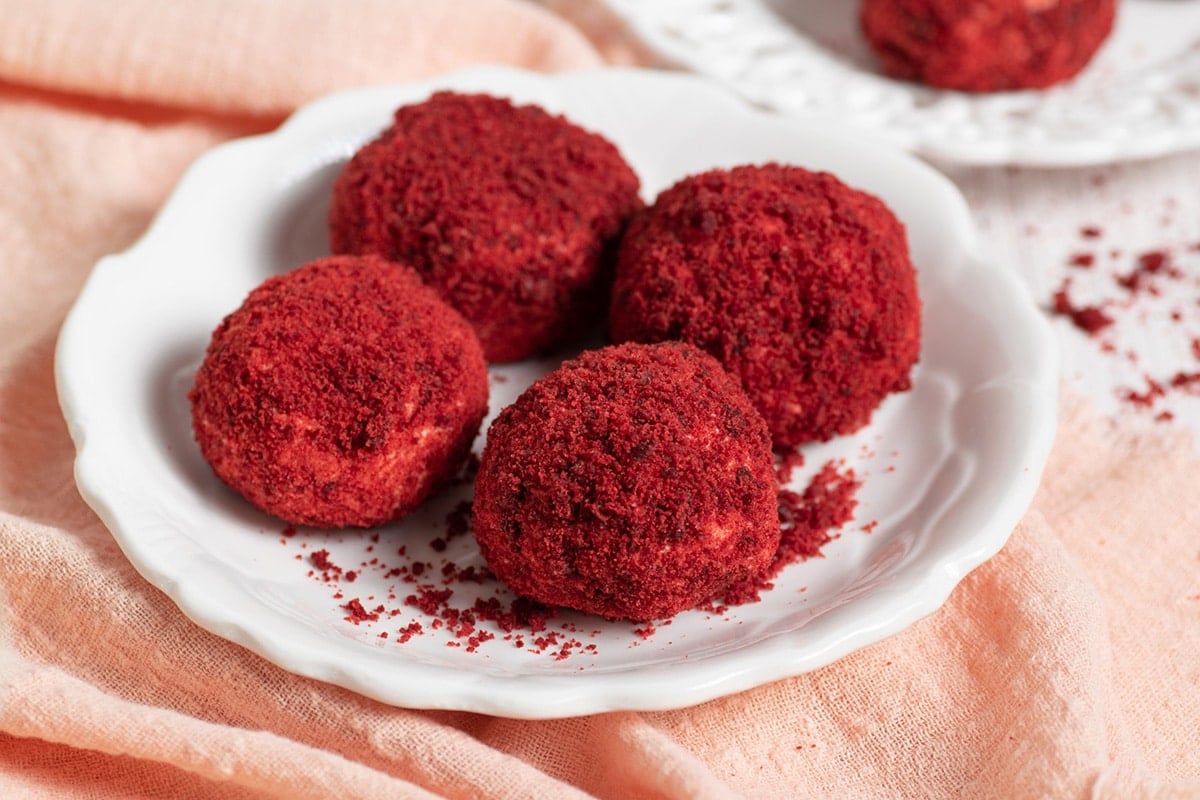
(1156, 262)
(521, 614)
(1147, 399)
(1152, 261)
(428, 599)
(320, 560)
(827, 503)
(786, 463)
(410, 630)
(1091, 232)
(1089, 319)
(1082, 260)
(359, 614)
(1188, 381)
(329, 572)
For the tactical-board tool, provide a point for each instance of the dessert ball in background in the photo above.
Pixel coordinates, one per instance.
(340, 394)
(510, 213)
(634, 482)
(986, 45)
(800, 285)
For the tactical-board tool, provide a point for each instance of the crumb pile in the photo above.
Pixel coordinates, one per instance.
(800, 285)
(986, 45)
(509, 212)
(633, 482)
(342, 393)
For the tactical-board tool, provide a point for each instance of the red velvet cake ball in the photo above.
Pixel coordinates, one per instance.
(633, 482)
(340, 394)
(986, 45)
(800, 285)
(510, 213)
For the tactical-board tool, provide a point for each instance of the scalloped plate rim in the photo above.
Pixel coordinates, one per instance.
(663, 686)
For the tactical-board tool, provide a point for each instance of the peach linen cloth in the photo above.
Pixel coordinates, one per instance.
(1067, 666)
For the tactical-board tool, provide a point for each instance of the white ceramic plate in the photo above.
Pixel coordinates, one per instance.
(956, 460)
(1139, 97)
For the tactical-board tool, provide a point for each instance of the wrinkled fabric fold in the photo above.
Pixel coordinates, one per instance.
(268, 56)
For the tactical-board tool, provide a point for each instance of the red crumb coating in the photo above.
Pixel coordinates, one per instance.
(340, 394)
(633, 482)
(510, 213)
(986, 45)
(798, 284)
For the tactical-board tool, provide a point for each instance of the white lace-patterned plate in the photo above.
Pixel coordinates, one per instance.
(1139, 97)
(956, 462)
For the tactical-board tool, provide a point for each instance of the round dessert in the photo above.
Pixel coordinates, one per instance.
(633, 482)
(800, 285)
(512, 214)
(986, 45)
(342, 393)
